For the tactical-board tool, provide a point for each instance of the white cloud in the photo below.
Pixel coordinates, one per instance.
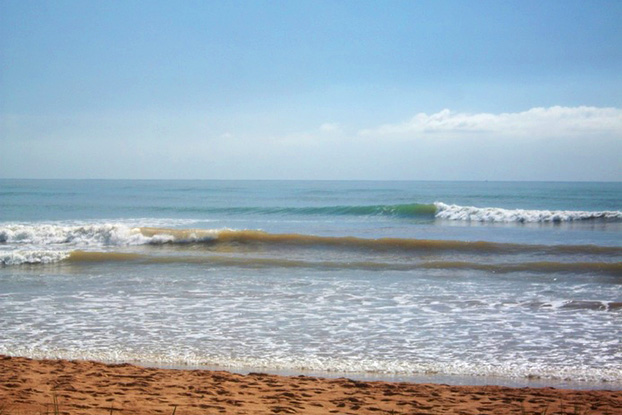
(195, 146)
(539, 122)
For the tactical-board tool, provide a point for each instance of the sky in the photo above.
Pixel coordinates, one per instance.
(370, 90)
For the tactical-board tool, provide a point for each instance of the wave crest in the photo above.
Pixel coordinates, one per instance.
(87, 235)
(32, 257)
(98, 235)
(493, 214)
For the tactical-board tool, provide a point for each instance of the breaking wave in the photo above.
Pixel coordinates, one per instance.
(44, 244)
(32, 257)
(97, 235)
(492, 214)
(438, 210)
(122, 235)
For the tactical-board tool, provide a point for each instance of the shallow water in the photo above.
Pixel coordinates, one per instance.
(523, 282)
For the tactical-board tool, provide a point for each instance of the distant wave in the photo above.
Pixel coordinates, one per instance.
(493, 214)
(438, 210)
(401, 210)
(421, 211)
(396, 210)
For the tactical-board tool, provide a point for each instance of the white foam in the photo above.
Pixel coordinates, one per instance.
(334, 321)
(492, 214)
(94, 235)
(81, 236)
(31, 257)
(176, 357)
(31, 243)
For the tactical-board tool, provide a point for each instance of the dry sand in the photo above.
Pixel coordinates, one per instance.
(82, 387)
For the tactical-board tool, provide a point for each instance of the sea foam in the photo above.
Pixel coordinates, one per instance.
(94, 235)
(32, 257)
(49, 243)
(494, 214)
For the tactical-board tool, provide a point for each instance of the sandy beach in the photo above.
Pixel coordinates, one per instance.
(30, 386)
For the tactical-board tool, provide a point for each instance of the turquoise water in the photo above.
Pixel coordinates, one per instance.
(502, 281)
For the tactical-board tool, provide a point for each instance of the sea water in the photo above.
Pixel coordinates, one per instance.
(496, 281)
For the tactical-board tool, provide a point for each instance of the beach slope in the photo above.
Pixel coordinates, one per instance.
(85, 387)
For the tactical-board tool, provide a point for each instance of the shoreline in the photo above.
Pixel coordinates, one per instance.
(367, 376)
(434, 378)
(89, 388)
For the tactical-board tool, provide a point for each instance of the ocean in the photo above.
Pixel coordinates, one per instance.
(466, 282)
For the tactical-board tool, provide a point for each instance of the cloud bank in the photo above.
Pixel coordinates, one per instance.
(556, 143)
(537, 122)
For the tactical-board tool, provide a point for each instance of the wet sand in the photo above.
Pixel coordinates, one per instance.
(83, 387)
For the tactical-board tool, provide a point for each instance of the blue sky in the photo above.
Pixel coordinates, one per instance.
(432, 90)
